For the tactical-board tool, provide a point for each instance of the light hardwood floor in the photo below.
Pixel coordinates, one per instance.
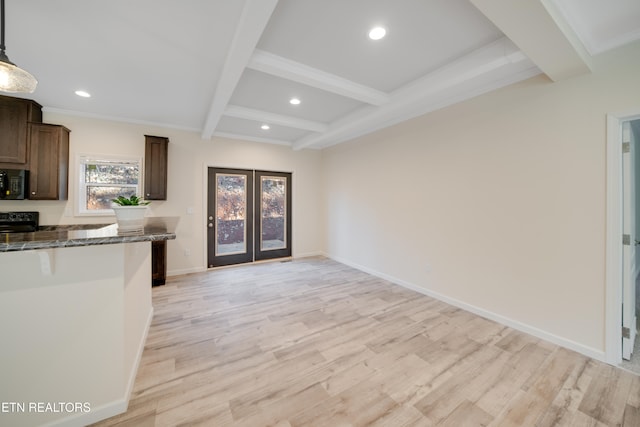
(315, 343)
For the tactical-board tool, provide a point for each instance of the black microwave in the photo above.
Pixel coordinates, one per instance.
(14, 184)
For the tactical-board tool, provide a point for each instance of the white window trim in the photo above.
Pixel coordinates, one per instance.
(81, 194)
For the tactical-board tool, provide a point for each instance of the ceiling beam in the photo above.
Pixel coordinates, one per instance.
(282, 67)
(251, 138)
(253, 21)
(493, 66)
(538, 28)
(276, 119)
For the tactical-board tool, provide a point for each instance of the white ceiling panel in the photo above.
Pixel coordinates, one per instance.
(603, 25)
(269, 93)
(331, 35)
(148, 60)
(251, 128)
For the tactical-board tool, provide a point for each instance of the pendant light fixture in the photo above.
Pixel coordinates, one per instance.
(12, 78)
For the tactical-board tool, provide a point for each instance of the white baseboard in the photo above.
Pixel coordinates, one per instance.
(308, 254)
(515, 324)
(180, 272)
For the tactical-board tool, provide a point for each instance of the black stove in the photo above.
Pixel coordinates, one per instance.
(18, 222)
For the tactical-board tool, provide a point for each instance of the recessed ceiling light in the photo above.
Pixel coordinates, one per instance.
(83, 93)
(265, 127)
(294, 101)
(377, 33)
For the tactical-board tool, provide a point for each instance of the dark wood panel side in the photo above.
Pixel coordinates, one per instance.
(158, 262)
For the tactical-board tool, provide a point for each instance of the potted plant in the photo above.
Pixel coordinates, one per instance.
(129, 213)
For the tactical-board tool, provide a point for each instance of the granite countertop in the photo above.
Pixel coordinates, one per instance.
(63, 236)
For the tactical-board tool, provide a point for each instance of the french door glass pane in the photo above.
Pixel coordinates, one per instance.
(273, 213)
(231, 214)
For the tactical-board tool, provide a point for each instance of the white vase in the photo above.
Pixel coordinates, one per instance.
(129, 218)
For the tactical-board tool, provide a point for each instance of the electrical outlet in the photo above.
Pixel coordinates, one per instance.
(190, 210)
(187, 252)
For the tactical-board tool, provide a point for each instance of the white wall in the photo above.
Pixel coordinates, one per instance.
(497, 203)
(188, 155)
(74, 333)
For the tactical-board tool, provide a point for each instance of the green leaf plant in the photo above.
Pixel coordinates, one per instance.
(131, 201)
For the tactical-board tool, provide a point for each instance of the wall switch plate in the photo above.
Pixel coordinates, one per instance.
(190, 210)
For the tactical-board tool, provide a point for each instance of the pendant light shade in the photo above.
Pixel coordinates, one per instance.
(12, 78)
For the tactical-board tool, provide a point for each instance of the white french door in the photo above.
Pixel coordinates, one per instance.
(629, 267)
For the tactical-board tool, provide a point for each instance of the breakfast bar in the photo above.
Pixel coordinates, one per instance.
(75, 308)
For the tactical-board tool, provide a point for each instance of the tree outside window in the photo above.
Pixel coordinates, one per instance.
(104, 179)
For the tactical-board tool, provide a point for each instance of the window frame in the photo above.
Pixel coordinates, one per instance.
(84, 159)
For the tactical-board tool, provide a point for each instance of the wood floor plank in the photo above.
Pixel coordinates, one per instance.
(279, 411)
(467, 415)
(634, 393)
(517, 370)
(631, 416)
(608, 393)
(361, 405)
(316, 343)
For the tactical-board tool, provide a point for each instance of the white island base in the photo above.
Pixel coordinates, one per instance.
(73, 324)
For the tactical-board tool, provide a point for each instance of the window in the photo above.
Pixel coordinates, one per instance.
(103, 178)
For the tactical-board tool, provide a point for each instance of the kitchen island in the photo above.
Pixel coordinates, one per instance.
(75, 308)
(65, 236)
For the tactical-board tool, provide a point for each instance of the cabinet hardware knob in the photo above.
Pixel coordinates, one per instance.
(33, 192)
(210, 225)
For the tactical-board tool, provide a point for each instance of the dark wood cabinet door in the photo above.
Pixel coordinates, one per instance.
(49, 162)
(155, 167)
(15, 114)
(158, 262)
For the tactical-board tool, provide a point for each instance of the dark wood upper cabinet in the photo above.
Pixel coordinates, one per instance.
(15, 115)
(155, 167)
(49, 162)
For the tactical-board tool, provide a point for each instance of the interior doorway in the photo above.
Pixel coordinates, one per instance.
(622, 258)
(249, 216)
(631, 239)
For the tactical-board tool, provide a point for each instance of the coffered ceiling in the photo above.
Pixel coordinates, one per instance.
(229, 67)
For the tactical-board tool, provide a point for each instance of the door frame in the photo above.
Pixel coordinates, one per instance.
(614, 227)
(205, 198)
